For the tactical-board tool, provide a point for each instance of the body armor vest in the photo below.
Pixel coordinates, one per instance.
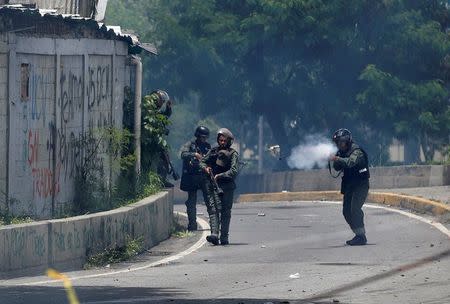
(360, 171)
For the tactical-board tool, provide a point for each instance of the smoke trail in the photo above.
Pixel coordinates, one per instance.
(314, 152)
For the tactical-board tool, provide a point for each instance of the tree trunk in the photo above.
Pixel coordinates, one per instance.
(412, 151)
(427, 148)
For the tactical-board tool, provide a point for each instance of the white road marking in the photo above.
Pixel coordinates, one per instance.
(435, 224)
(422, 219)
(204, 226)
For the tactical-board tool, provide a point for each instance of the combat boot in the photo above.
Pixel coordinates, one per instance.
(192, 227)
(224, 229)
(358, 240)
(213, 238)
(192, 224)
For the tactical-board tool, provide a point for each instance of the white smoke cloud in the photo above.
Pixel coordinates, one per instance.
(315, 151)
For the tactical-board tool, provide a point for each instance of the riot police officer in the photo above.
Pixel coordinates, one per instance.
(353, 161)
(221, 164)
(151, 107)
(193, 178)
(155, 101)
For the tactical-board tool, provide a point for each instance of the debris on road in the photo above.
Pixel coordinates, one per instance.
(295, 276)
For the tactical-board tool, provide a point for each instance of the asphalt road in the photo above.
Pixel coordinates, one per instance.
(271, 242)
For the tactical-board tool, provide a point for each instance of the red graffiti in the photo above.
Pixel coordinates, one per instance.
(45, 180)
(43, 185)
(33, 147)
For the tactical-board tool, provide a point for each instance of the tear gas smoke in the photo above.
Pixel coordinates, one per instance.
(314, 152)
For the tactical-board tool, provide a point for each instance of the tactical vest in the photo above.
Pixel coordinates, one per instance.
(360, 171)
(221, 160)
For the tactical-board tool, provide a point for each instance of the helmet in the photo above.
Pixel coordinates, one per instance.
(201, 131)
(342, 135)
(163, 96)
(227, 133)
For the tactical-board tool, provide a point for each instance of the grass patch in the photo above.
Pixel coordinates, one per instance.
(182, 234)
(132, 248)
(13, 220)
(147, 185)
(179, 230)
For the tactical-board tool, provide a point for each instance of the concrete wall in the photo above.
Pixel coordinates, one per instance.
(320, 180)
(65, 243)
(3, 127)
(76, 88)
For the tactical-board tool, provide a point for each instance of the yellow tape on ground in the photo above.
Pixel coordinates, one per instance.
(71, 295)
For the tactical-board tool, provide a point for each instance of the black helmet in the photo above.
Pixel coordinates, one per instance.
(227, 133)
(342, 135)
(201, 131)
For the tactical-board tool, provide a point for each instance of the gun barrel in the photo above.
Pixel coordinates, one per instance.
(215, 184)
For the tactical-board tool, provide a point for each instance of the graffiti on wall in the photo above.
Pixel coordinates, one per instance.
(45, 179)
(55, 144)
(99, 85)
(71, 87)
(40, 91)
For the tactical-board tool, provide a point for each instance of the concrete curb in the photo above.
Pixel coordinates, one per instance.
(65, 243)
(417, 204)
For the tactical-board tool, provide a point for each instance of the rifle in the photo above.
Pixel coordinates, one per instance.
(194, 161)
(172, 171)
(215, 184)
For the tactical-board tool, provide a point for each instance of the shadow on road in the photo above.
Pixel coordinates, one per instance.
(111, 294)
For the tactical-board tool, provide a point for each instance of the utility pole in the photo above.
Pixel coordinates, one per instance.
(260, 143)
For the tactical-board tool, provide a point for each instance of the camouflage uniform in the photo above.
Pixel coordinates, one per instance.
(224, 163)
(355, 185)
(151, 108)
(150, 104)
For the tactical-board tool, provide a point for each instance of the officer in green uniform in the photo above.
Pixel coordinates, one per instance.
(222, 163)
(353, 161)
(155, 101)
(193, 177)
(152, 105)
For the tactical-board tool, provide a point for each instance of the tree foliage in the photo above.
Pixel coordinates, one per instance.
(377, 67)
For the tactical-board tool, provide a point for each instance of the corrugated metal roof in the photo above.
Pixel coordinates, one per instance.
(106, 32)
(94, 9)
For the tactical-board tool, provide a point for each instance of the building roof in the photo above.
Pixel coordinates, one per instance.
(40, 22)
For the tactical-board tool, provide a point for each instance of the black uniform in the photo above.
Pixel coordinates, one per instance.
(355, 185)
(193, 178)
